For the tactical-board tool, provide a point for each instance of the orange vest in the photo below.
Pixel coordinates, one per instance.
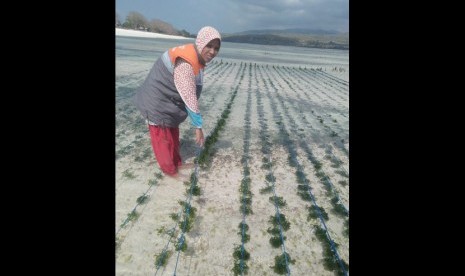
(189, 54)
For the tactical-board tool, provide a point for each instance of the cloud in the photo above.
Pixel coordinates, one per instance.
(241, 15)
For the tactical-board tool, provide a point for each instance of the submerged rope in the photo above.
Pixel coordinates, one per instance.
(165, 249)
(279, 222)
(182, 239)
(331, 243)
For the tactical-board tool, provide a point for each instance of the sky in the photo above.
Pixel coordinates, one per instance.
(231, 16)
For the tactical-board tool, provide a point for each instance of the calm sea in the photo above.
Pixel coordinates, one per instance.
(148, 49)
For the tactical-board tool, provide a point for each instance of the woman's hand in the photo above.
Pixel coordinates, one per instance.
(199, 139)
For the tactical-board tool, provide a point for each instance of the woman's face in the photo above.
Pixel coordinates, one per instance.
(210, 50)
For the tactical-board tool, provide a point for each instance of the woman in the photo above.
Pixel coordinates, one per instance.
(170, 94)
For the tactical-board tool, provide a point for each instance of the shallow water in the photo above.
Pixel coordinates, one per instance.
(296, 112)
(287, 55)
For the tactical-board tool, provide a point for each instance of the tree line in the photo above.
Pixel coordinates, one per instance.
(137, 21)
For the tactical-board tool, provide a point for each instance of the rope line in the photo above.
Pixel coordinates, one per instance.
(338, 160)
(134, 209)
(333, 247)
(336, 194)
(243, 231)
(331, 243)
(265, 150)
(245, 156)
(182, 239)
(165, 249)
(279, 221)
(299, 168)
(164, 252)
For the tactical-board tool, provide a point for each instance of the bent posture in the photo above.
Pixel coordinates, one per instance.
(170, 94)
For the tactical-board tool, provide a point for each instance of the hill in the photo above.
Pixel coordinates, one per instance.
(292, 37)
(287, 31)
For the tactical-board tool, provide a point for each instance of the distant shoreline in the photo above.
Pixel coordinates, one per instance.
(135, 33)
(318, 42)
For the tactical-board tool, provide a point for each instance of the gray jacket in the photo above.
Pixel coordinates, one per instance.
(157, 98)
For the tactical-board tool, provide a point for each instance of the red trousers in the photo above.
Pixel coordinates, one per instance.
(165, 144)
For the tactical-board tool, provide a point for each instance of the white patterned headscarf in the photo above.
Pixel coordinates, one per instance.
(205, 35)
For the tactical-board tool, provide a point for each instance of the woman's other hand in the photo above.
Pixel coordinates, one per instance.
(199, 139)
